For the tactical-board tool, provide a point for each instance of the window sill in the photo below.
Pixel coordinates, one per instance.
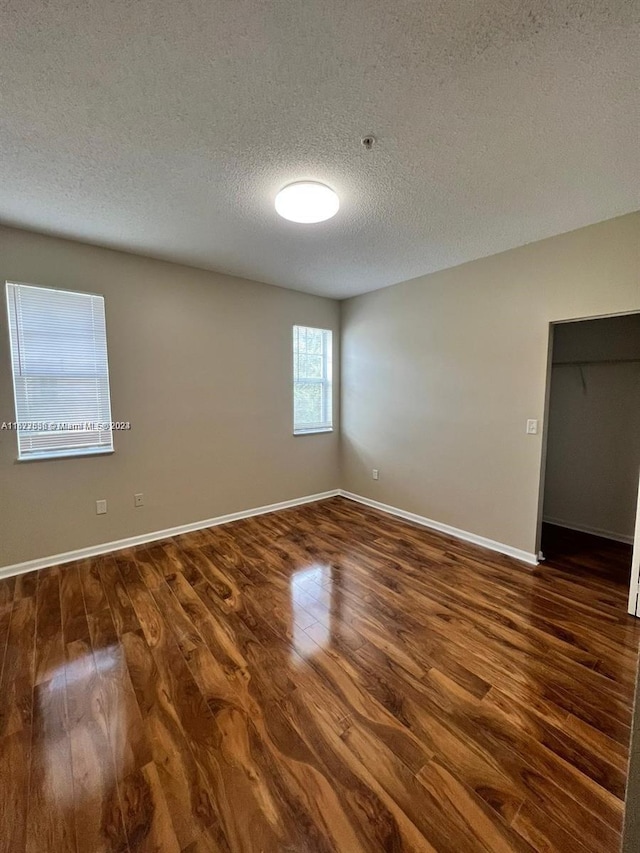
(312, 431)
(72, 454)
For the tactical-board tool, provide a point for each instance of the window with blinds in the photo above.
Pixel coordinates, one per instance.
(60, 372)
(312, 393)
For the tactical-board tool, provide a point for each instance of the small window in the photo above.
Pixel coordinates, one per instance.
(60, 372)
(312, 397)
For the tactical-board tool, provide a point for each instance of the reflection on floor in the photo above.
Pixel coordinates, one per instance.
(326, 678)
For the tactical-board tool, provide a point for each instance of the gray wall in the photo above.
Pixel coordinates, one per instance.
(593, 451)
(441, 373)
(201, 365)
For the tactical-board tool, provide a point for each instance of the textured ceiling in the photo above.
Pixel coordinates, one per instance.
(166, 128)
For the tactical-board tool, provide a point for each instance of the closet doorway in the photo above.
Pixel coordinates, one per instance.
(592, 439)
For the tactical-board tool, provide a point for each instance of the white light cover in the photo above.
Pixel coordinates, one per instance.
(307, 201)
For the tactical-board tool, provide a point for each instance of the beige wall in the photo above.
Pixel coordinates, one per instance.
(441, 373)
(439, 377)
(200, 364)
(593, 441)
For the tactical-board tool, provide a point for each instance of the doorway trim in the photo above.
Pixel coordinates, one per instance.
(545, 432)
(634, 584)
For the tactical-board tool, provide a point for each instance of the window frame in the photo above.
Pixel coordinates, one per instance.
(325, 381)
(52, 453)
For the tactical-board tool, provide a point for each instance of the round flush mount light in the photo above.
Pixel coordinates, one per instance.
(307, 202)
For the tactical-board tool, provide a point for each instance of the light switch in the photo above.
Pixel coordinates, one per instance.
(532, 427)
(101, 507)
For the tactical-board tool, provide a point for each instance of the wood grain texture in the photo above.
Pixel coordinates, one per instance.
(325, 679)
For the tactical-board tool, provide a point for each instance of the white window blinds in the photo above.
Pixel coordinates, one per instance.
(60, 372)
(312, 396)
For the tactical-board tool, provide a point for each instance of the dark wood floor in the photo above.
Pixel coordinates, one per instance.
(325, 678)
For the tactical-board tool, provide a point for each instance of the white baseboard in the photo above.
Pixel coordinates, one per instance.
(526, 557)
(118, 545)
(595, 531)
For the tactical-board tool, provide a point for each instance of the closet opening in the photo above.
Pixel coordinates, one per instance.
(592, 454)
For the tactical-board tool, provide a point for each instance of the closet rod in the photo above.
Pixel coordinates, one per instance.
(598, 361)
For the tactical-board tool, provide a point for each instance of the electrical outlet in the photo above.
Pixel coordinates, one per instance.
(532, 427)
(101, 507)
(375, 474)
(138, 500)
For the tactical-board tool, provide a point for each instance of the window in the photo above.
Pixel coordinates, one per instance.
(311, 380)
(60, 372)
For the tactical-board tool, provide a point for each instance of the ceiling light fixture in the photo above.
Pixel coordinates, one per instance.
(307, 202)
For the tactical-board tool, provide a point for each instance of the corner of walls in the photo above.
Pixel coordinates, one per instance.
(200, 364)
(529, 558)
(441, 373)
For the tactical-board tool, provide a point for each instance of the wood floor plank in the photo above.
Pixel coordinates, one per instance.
(72, 609)
(207, 842)
(16, 688)
(125, 729)
(98, 816)
(50, 652)
(90, 572)
(377, 821)
(185, 788)
(476, 826)
(559, 741)
(326, 678)
(5, 622)
(224, 725)
(146, 816)
(494, 782)
(14, 790)
(545, 834)
(51, 815)
(7, 589)
(492, 730)
(115, 591)
(598, 742)
(178, 717)
(25, 586)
